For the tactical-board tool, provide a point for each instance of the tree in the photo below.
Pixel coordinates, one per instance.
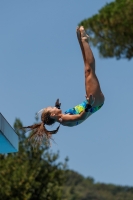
(36, 175)
(112, 30)
(30, 174)
(78, 187)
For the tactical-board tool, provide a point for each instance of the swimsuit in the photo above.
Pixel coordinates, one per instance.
(81, 107)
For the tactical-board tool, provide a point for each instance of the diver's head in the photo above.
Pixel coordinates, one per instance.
(50, 115)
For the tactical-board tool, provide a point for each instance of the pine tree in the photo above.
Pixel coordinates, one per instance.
(111, 30)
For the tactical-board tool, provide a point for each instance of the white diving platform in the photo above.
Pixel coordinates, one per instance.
(8, 137)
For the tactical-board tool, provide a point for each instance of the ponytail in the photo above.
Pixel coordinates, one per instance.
(40, 134)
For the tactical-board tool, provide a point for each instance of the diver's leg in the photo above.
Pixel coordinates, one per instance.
(80, 43)
(88, 55)
(91, 81)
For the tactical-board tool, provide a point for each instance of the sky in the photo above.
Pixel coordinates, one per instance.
(40, 61)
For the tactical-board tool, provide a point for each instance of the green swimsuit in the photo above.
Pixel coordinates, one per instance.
(80, 108)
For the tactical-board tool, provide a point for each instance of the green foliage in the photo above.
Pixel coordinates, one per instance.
(79, 188)
(36, 175)
(112, 30)
(30, 174)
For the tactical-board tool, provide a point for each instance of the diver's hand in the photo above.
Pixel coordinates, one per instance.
(57, 104)
(90, 99)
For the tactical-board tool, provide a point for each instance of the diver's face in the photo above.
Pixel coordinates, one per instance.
(54, 111)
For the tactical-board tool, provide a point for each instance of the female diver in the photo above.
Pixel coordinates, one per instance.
(78, 114)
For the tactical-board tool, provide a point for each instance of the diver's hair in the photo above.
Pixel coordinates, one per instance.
(39, 131)
(45, 117)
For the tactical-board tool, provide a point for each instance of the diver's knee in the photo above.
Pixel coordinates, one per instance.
(87, 72)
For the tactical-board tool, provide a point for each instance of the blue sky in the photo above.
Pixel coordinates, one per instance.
(40, 61)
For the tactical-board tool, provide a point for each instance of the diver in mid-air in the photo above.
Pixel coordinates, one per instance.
(78, 114)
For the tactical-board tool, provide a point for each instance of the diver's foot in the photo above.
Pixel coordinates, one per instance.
(78, 34)
(83, 34)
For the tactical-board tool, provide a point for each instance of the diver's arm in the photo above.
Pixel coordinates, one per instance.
(72, 118)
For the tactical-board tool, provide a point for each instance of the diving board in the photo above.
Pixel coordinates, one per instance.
(8, 137)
